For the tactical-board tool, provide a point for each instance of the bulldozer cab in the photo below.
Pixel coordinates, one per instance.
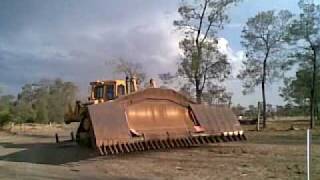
(107, 90)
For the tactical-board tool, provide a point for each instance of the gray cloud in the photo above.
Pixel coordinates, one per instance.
(73, 39)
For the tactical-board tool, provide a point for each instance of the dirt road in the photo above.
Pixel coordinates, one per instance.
(266, 155)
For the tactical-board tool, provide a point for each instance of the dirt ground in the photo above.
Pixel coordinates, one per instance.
(277, 153)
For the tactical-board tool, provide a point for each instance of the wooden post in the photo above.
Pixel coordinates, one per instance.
(259, 113)
(57, 138)
(72, 136)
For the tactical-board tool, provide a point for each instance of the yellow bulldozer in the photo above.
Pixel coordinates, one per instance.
(120, 118)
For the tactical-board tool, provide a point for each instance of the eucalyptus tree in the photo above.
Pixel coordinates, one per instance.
(202, 62)
(304, 33)
(263, 38)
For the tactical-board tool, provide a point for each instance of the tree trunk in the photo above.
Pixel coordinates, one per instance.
(199, 96)
(313, 91)
(264, 104)
(198, 92)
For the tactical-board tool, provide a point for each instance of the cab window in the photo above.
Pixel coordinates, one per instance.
(121, 90)
(110, 92)
(98, 92)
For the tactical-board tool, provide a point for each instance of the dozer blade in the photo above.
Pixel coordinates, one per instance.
(156, 118)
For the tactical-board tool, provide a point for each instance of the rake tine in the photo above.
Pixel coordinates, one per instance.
(149, 147)
(211, 139)
(137, 146)
(158, 144)
(177, 143)
(181, 142)
(224, 139)
(216, 139)
(123, 148)
(105, 148)
(203, 140)
(144, 145)
(163, 144)
(126, 147)
(244, 137)
(229, 138)
(153, 144)
(116, 149)
(234, 137)
(101, 150)
(141, 145)
(111, 149)
(120, 148)
(170, 143)
(132, 147)
(167, 143)
(194, 141)
(207, 139)
(190, 141)
(186, 142)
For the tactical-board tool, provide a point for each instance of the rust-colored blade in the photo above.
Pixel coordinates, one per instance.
(216, 119)
(109, 123)
(158, 119)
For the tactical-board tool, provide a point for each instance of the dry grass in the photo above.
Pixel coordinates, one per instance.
(275, 153)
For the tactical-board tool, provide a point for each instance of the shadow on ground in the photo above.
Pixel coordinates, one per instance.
(47, 153)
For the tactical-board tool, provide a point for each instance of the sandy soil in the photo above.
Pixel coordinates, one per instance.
(271, 154)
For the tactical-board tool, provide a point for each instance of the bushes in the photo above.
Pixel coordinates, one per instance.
(5, 117)
(41, 102)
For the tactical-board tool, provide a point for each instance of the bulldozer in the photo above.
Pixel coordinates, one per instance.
(120, 118)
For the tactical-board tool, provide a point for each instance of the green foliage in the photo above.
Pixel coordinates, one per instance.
(304, 34)
(263, 38)
(23, 112)
(6, 102)
(291, 110)
(297, 90)
(202, 63)
(43, 102)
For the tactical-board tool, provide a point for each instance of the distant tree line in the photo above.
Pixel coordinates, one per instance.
(288, 110)
(41, 102)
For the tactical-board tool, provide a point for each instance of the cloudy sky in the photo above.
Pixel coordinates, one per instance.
(73, 39)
